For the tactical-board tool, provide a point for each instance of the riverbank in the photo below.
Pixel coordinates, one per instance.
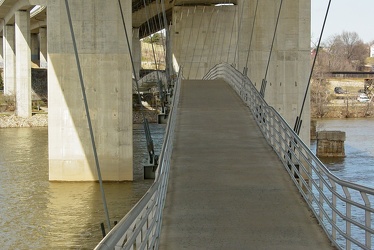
(326, 103)
(353, 109)
(10, 120)
(13, 121)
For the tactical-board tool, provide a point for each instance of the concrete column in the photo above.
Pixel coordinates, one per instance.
(9, 61)
(23, 64)
(1, 52)
(34, 47)
(290, 61)
(107, 76)
(43, 47)
(136, 51)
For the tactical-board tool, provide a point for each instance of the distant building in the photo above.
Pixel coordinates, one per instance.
(372, 50)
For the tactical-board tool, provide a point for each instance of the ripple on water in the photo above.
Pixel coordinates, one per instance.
(38, 214)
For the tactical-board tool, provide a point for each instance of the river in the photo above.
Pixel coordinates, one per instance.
(38, 214)
(358, 165)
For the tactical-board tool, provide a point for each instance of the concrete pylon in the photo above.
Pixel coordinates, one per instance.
(290, 59)
(9, 60)
(136, 51)
(23, 64)
(43, 47)
(34, 46)
(1, 52)
(107, 76)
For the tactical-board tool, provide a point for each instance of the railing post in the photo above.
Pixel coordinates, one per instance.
(367, 219)
(320, 207)
(333, 215)
(348, 213)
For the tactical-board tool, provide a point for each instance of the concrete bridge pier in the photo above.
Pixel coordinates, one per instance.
(289, 67)
(9, 60)
(106, 71)
(1, 52)
(39, 47)
(23, 63)
(34, 41)
(43, 47)
(136, 51)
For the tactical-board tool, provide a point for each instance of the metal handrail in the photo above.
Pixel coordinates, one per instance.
(343, 209)
(141, 227)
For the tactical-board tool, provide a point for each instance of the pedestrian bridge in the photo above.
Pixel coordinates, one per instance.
(217, 149)
(227, 188)
(234, 175)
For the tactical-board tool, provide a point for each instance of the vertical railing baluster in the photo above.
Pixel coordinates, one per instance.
(348, 214)
(367, 219)
(333, 213)
(320, 185)
(310, 183)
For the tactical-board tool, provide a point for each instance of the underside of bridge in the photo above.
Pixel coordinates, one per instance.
(259, 38)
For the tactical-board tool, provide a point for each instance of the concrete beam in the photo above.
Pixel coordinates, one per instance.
(23, 64)
(107, 77)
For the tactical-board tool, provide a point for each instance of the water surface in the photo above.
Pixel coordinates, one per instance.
(38, 214)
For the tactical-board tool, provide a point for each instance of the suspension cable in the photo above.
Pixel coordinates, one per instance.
(223, 39)
(87, 114)
(213, 41)
(131, 58)
(237, 42)
(153, 47)
(158, 25)
(232, 32)
(263, 86)
(197, 38)
(298, 122)
(168, 66)
(160, 20)
(205, 39)
(250, 40)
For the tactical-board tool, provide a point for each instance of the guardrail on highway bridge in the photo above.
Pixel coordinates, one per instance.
(343, 209)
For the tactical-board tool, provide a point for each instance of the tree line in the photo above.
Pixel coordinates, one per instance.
(343, 52)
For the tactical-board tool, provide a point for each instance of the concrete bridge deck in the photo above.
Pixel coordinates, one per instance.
(227, 189)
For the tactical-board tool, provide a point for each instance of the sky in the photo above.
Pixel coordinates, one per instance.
(344, 15)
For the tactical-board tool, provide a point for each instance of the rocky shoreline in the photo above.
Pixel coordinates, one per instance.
(13, 121)
(10, 120)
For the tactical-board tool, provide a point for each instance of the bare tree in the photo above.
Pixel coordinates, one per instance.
(344, 52)
(319, 97)
(347, 51)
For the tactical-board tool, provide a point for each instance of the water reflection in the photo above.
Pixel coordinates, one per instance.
(38, 214)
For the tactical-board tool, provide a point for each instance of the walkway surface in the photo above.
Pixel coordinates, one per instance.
(227, 189)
